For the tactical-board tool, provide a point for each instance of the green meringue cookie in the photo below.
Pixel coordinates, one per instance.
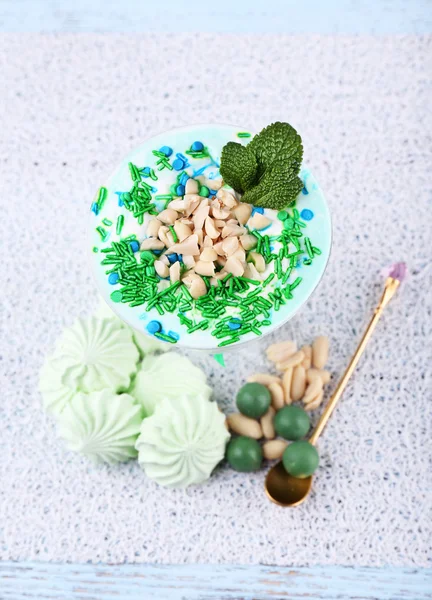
(183, 441)
(146, 344)
(167, 376)
(102, 426)
(55, 394)
(92, 355)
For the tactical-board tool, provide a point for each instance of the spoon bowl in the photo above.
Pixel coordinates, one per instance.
(284, 489)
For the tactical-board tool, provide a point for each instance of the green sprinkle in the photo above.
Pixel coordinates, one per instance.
(165, 338)
(269, 279)
(233, 340)
(164, 197)
(173, 233)
(120, 223)
(295, 283)
(244, 134)
(96, 249)
(282, 215)
(134, 172)
(204, 191)
(308, 247)
(102, 196)
(116, 296)
(316, 250)
(102, 232)
(286, 276)
(107, 222)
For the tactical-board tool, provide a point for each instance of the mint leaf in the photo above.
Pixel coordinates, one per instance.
(279, 143)
(238, 166)
(265, 170)
(277, 189)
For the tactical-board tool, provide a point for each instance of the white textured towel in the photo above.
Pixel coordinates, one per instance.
(72, 106)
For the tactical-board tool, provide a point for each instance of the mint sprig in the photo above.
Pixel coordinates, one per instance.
(266, 170)
(239, 166)
(277, 189)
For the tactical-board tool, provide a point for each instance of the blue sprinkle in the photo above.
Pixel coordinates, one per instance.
(180, 257)
(120, 198)
(178, 164)
(154, 327)
(197, 147)
(166, 150)
(306, 214)
(95, 208)
(180, 190)
(181, 156)
(172, 258)
(257, 209)
(157, 252)
(233, 325)
(271, 248)
(145, 171)
(183, 178)
(174, 335)
(113, 278)
(153, 190)
(304, 191)
(134, 246)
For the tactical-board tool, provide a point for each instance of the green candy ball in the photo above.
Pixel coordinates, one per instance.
(253, 400)
(300, 459)
(291, 422)
(244, 454)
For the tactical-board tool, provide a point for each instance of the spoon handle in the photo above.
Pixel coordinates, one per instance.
(391, 286)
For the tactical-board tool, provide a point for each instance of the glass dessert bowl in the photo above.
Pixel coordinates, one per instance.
(177, 255)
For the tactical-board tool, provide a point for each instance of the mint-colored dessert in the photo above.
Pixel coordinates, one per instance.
(92, 355)
(167, 376)
(102, 425)
(183, 441)
(208, 236)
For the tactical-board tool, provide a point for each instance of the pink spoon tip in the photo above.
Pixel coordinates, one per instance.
(398, 271)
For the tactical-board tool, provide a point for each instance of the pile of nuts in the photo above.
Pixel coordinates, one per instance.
(209, 234)
(303, 379)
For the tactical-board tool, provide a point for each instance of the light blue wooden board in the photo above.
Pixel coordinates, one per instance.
(271, 16)
(23, 581)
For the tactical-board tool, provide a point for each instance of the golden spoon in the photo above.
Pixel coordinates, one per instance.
(286, 490)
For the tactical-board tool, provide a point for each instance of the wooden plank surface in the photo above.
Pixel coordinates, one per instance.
(24, 581)
(251, 16)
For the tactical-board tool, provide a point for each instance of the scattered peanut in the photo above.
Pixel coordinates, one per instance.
(244, 426)
(267, 424)
(320, 349)
(277, 395)
(317, 373)
(307, 361)
(286, 384)
(312, 390)
(292, 361)
(264, 378)
(298, 385)
(315, 403)
(274, 449)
